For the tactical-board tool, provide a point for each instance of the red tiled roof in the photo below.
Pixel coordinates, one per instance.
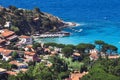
(5, 51)
(113, 57)
(7, 33)
(77, 76)
(53, 52)
(12, 37)
(16, 63)
(94, 55)
(2, 40)
(47, 49)
(23, 70)
(29, 46)
(24, 36)
(11, 73)
(29, 53)
(76, 54)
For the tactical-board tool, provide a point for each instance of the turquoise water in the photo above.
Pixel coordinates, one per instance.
(100, 19)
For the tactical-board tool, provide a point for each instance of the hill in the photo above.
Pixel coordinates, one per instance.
(29, 21)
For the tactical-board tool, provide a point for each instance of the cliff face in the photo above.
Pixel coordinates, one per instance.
(29, 21)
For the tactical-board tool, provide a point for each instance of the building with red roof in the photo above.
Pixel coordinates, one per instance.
(19, 64)
(5, 53)
(30, 55)
(8, 35)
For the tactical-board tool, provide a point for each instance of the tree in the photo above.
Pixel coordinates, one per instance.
(99, 43)
(1, 56)
(14, 28)
(68, 51)
(14, 55)
(37, 10)
(109, 48)
(81, 47)
(70, 45)
(42, 72)
(83, 68)
(64, 75)
(35, 45)
(89, 47)
(60, 45)
(105, 48)
(112, 48)
(11, 77)
(84, 46)
(5, 65)
(13, 8)
(59, 65)
(51, 44)
(14, 66)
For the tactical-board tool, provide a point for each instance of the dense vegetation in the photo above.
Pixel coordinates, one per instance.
(29, 21)
(39, 71)
(105, 69)
(85, 47)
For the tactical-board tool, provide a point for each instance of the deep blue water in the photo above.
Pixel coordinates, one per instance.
(100, 19)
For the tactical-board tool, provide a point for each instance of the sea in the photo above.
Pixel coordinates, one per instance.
(98, 19)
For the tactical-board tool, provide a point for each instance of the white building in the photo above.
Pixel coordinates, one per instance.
(28, 40)
(7, 24)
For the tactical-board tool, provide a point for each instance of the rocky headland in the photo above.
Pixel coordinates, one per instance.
(30, 22)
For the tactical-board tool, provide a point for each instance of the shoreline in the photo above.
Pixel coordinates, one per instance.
(52, 34)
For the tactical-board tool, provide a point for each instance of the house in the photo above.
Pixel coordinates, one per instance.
(47, 50)
(113, 56)
(7, 24)
(28, 40)
(52, 53)
(76, 56)
(29, 48)
(77, 76)
(6, 54)
(93, 54)
(31, 56)
(8, 35)
(19, 65)
(3, 74)
(2, 71)
(11, 73)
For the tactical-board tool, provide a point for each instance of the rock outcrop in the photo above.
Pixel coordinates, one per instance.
(29, 21)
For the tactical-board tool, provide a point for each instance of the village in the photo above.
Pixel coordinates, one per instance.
(19, 51)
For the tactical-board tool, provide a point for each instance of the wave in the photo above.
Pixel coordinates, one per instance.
(80, 24)
(75, 30)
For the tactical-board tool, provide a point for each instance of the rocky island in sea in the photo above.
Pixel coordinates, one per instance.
(30, 22)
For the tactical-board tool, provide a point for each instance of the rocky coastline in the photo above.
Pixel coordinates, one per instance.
(29, 22)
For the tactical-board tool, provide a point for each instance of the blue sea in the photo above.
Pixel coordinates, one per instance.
(99, 19)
